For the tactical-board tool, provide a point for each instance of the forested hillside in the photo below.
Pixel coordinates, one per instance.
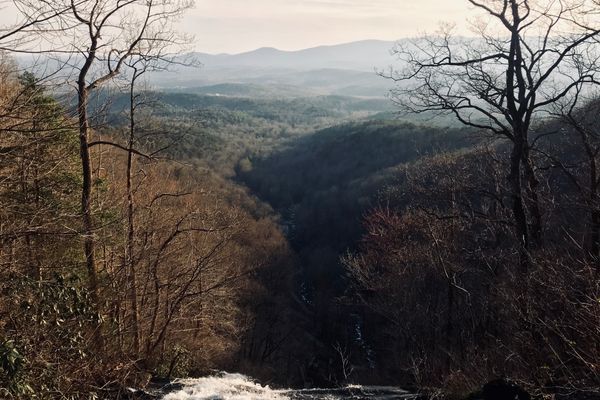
(322, 184)
(436, 267)
(190, 246)
(225, 130)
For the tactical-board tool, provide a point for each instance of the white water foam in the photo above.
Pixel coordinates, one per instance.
(224, 387)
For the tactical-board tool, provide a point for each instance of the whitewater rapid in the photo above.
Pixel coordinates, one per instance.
(225, 386)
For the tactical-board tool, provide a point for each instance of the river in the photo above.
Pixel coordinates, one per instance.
(225, 386)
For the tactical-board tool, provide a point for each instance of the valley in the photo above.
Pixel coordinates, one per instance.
(319, 163)
(416, 218)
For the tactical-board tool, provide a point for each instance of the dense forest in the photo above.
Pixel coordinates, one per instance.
(437, 239)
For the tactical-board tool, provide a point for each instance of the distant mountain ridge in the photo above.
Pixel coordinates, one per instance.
(347, 69)
(365, 55)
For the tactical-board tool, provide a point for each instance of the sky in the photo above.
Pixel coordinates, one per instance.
(233, 26)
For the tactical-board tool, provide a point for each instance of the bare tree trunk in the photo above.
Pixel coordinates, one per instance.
(516, 91)
(518, 206)
(130, 220)
(86, 193)
(533, 202)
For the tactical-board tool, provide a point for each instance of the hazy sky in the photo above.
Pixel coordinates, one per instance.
(232, 26)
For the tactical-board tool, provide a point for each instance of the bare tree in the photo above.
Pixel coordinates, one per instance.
(107, 34)
(138, 69)
(503, 82)
(138, 65)
(344, 360)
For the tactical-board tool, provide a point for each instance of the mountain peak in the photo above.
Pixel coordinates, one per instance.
(364, 55)
(267, 49)
(264, 50)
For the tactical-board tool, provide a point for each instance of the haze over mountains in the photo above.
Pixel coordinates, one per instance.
(347, 69)
(360, 56)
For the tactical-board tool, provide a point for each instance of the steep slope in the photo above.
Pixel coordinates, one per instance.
(322, 183)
